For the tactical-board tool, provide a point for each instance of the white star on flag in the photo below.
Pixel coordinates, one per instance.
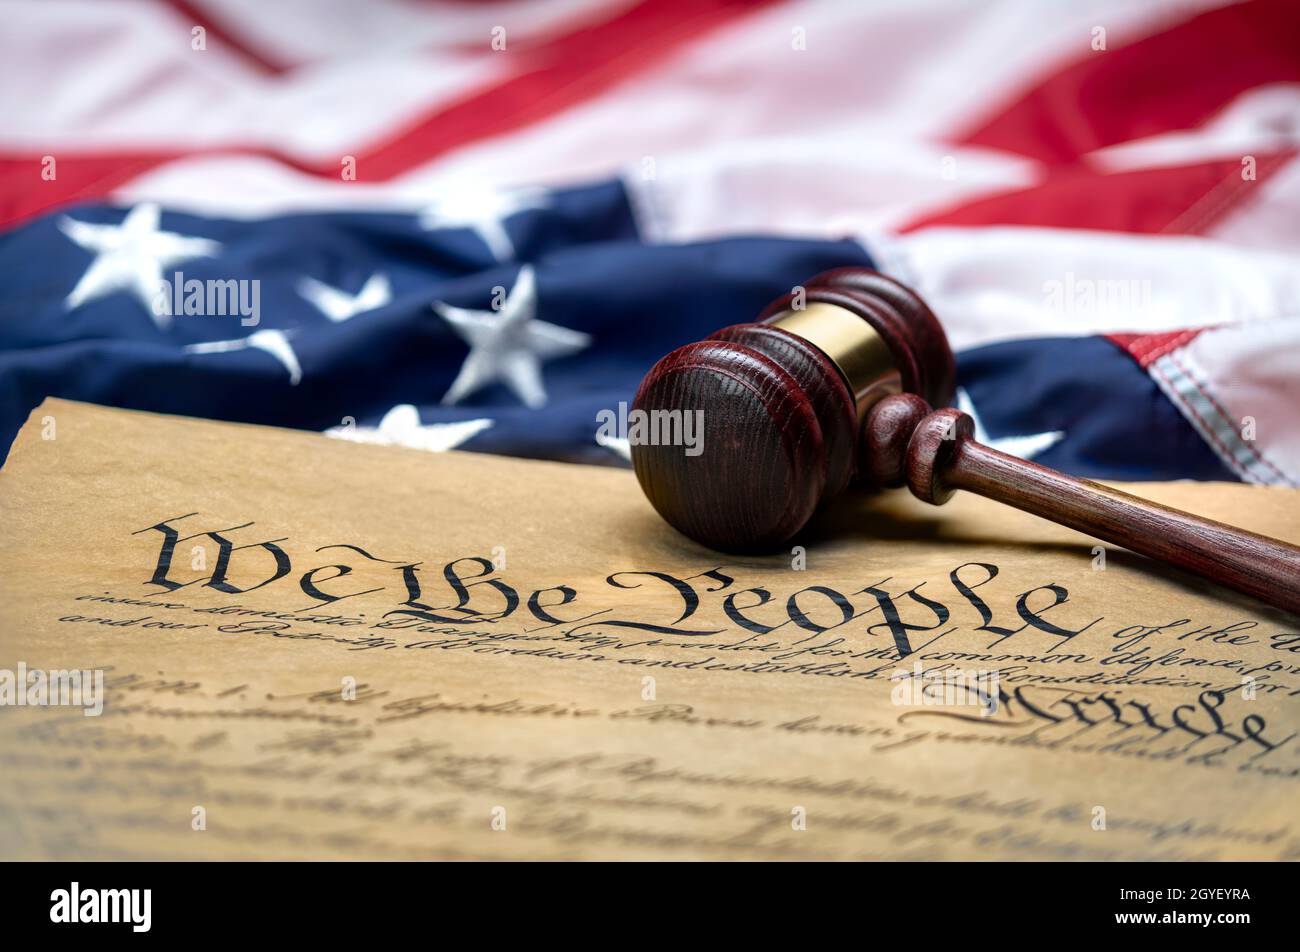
(508, 345)
(274, 342)
(338, 305)
(401, 426)
(484, 211)
(131, 257)
(1023, 447)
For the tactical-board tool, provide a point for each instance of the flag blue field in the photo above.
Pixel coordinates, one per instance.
(475, 227)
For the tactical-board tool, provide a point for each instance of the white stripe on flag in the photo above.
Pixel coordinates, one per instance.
(996, 284)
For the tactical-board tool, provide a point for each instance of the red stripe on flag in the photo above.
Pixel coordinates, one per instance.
(222, 37)
(25, 190)
(1175, 79)
(1185, 199)
(1146, 349)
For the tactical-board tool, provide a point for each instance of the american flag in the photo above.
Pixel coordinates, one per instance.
(476, 225)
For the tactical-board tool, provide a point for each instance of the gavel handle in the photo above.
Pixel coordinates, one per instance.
(1257, 565)
(934, 452)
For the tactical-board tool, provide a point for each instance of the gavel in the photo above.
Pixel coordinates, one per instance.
(837, 383)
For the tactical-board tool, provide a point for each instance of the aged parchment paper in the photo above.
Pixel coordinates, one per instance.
(315, 649)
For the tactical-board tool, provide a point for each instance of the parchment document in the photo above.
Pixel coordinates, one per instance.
(316, 649)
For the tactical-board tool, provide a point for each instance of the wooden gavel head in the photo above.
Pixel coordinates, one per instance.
(783, 404)
(839, 380)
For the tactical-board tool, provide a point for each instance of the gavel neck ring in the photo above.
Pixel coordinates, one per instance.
(908, 442)
(860, 355)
